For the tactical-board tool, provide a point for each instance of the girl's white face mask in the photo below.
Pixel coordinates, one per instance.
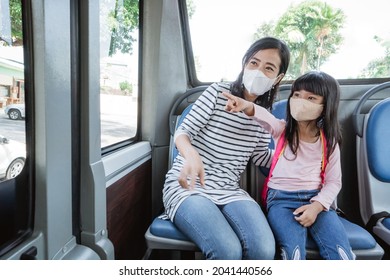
(305, 110)
(256, 82)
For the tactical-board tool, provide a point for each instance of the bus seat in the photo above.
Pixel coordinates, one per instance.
(163, 234)
(362, 242)
(373, 160)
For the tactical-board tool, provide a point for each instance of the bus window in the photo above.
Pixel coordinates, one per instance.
(118, 70)
(327, 35)
(12, 93)
(15, 207)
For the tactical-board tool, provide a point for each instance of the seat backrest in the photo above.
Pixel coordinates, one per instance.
(173, 152)
(279, 110)
(373, 161)
(179, 110)
(377, 141)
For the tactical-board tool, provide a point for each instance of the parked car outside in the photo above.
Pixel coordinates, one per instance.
(15, 111)
(12, 158)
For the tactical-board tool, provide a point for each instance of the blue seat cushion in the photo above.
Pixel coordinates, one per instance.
(165, 228)
(359, 238)
(386, 223)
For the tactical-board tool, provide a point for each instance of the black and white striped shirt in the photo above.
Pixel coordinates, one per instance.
(226, 142)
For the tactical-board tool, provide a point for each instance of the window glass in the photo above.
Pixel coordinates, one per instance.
(347, 39)
(15, 207)
(12, 93)
(119, 21)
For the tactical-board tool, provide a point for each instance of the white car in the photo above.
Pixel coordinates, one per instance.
(12, 158)
(15, 111)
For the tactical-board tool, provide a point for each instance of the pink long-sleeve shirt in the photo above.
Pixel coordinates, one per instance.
(302, 172)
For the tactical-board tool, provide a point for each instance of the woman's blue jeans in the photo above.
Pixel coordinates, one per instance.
(327, 231)
(237, 230)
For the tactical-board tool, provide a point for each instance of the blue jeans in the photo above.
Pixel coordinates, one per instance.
(327, 231)
(237, 230)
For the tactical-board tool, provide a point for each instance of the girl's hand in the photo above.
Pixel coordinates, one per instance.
(236, 104)
(307, 214)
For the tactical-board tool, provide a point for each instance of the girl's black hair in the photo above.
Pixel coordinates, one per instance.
(266, 100)
(324, 85)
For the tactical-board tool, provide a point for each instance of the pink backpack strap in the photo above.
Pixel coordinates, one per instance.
(324, 156)
(278, 151)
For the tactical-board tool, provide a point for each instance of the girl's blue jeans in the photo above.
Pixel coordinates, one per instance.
(237, 230)
(327, 231)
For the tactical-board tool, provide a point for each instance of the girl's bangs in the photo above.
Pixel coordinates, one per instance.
(311, 82)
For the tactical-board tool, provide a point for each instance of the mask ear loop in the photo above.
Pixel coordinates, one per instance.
(272, 88)
(269, 94)
(320, 122)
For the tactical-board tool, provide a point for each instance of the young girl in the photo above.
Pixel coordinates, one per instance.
(201, 194)
(305, 175)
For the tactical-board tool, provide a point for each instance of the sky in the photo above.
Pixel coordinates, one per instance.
(224, 30)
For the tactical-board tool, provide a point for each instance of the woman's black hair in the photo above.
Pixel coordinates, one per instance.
(266, 100)
(324, 85)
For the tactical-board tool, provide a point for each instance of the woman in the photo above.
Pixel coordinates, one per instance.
(201, 195)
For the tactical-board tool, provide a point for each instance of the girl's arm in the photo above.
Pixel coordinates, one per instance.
(332, 184)
(236, 104)
(271, 124)
(307, 214)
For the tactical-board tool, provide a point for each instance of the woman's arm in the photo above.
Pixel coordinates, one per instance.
(193, 165)
(195, 121)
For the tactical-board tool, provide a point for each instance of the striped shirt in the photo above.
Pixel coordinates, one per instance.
(226, 142)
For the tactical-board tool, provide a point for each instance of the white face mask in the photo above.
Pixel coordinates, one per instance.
(305, 110)
(256, 82)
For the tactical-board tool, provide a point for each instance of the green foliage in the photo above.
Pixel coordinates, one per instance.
(191, 8)
(380, 67)
(126, 87)
(312, 31)
(15, 10)
(124, 20)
